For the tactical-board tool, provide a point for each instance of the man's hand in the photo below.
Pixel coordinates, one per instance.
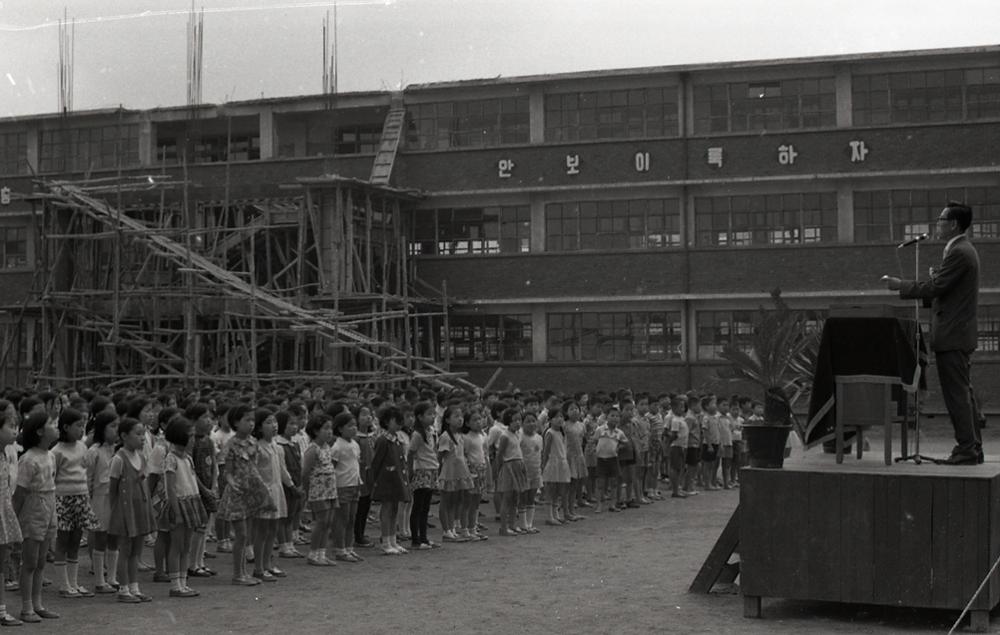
(892, 283)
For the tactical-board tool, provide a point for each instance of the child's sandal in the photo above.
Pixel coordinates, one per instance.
(6, 619)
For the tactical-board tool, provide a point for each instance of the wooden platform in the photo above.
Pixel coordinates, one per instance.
(864, 532)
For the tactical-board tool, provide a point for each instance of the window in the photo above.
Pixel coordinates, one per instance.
(898, 215)
(15, 247)
(989, 329)
(475, 230)
(718, 330)
(81, 149)
(765, 105)
(358, 139)
(604, 337)
(621, 224)
(13, 153)
(468, 124)
(611, 114)
(926, 96)
(766, 219)
(489, 338)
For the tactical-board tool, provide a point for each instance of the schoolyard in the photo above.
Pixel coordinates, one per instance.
(611, 573)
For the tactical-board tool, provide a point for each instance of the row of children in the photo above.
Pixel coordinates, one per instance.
(121, 467)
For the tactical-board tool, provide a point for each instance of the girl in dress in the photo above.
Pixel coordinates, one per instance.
(555, 469)
(455, 478)
(531, 448)
(245, 494)
(74, 514)
(346, 455)
(10, 530)
(98, 461)
(183, 511)
(320, 482)
(288, 428)
(35, 505)
(131, 516)
(473, 445)
(422, 466)
(512, 478)
(271, 465)
(575, 430)
(389, 477)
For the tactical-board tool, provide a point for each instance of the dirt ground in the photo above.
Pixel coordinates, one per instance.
(611, 573)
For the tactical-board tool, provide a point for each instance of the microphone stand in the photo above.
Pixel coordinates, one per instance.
(916, 457)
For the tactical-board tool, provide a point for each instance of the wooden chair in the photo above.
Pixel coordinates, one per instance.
(863, 401)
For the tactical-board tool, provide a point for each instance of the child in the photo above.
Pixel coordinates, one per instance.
(591, 422)
(677, 440)
(455, 478)
(367, 448)
(403, 517)
(726, 442)
(692, 456)
(531, 449)
(422, 466)
(555, 469)
(388, 477)
(474, 446)
(288, 428)
(320, 481)
(207, 472)
(271, 466)
(575, 429)
(73, 511)
(98, 462)
(737, 417)
(245, 493)
(183, 511)
(608, 438)
(626, 456)
(10, 530)
(346, 455)
(220, 437)
(710, 442)
(512, 477)
(35, 505)
(131, 506)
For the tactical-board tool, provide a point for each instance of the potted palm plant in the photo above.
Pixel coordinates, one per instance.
(780, 359)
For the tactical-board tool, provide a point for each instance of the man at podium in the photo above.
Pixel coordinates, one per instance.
(953, 289)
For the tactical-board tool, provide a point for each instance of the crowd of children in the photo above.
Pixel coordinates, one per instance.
(117, 472)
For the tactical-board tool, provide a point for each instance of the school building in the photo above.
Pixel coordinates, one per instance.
(594, 229)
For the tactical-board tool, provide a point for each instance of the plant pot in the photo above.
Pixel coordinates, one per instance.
(766, 444)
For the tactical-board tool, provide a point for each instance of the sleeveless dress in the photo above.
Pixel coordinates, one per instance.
(513, 475)
(10, 530)
(556, 468)
(245, 493)
(131, 512)
(322, 482)
(575, 432)
(269, 463)
(455, 475)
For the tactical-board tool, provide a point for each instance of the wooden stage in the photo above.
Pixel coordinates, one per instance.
(863, 532)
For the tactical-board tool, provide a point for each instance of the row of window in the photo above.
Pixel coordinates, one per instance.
(723, 221)
(82, 149)
(964, 94)
(625, 336)
(14, 243)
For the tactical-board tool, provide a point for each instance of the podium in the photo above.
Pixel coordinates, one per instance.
(863, 365)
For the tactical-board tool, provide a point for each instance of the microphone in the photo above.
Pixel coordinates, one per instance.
(912, 241)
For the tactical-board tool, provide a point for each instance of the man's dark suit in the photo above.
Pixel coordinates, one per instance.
(954, 290)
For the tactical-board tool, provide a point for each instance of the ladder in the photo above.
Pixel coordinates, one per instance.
(392, 130)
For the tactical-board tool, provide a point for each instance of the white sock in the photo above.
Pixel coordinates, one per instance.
(99, 568)
(111, 557)
(72, 573)
(134, 588)
(60, 574)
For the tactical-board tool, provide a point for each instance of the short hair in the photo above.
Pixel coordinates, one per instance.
(282, 417)
(960, 213)
(101, 421)
(316, 423)
(178, 431)
(387, 414)
(68, 417)
(260, 415)
(26, 404)
(341, 421)
(196, 410)
(31, 430)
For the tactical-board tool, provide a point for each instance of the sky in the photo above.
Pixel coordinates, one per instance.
(133, 52)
